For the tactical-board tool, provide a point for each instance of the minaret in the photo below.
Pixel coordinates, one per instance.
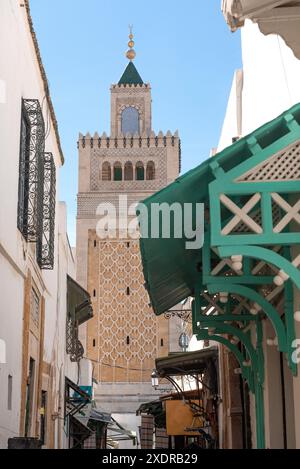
(124, 337)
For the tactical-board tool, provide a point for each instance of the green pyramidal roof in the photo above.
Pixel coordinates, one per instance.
(131, 76)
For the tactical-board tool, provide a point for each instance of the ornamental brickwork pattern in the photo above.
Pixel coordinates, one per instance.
(123, 336)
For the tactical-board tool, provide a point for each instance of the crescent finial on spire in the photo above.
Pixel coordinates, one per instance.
(131, 54)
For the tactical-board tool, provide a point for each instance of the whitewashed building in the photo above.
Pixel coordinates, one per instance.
(35, 255)
(266, 86)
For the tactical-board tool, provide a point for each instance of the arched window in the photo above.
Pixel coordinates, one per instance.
(140, 172)
(106, 172)
(128, 172)
(118, 173)
(150, 173)
(130, 121)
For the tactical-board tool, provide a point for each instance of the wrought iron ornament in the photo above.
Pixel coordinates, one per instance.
(32, 147)
(37, 185)
(46, 215)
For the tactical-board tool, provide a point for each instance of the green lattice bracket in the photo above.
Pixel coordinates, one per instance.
(266, 142)
(257, 361)
(266, 255)
(245, 278)
(277, 135)
(267, 237)
(254, 374)
(247, 372)
(267, 308)
(170, 269)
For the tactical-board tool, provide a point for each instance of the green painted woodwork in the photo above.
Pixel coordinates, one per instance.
(255, 381)
(290, 324)
(260, 416)
(131, 76)
(173, 273)
(267, 308)
(140, 173)
(257, 362)
(118, 174)
(263, 254)
(246, 371)
(170, 269)
(280, 136)
(246, 278)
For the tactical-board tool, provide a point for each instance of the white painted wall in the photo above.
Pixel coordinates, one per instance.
(270, 83)
(20, 78)
(11, 307)
(271, 77)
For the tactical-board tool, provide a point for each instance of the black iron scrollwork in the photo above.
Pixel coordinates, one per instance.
(46, 210)
(74, 347)
(32, 146)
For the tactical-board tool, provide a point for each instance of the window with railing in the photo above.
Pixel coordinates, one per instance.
(46, 211)
(32, 145)
(37, 185)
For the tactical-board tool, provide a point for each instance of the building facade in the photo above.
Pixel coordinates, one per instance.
(35, 254)
(245, 279)
(261, 91)
(115, 173)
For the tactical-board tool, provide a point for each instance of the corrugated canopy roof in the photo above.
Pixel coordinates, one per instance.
(181, 364)
(79, 302)
(170, 270)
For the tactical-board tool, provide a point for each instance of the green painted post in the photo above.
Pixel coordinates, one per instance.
(290, 324)
(260, 416)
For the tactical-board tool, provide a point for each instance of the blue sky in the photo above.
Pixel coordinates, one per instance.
(184, 49)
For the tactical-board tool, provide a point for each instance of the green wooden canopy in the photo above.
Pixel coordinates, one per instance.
(170, 270)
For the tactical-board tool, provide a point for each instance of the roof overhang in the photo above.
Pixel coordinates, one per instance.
(79, 302)
(280, 17)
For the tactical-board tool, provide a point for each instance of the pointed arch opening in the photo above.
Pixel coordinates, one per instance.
(128, 171)
(106, 172)
(150, 173)
(130, 121)
(118, 172)
(140, 171)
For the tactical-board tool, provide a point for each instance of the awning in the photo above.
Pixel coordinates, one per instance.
(188, 363)
(100, 416)
(171, 271)
(79, 302)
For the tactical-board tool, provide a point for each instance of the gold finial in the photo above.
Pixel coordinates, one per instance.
(131, 52)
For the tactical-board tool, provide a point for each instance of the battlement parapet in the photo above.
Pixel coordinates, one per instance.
(129, 141)
(117, 87)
